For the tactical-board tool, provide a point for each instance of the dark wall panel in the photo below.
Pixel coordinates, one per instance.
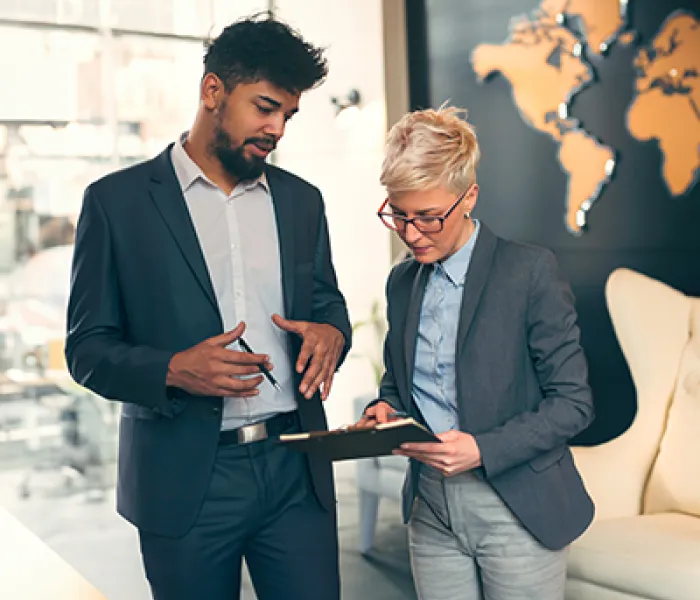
(635, 223)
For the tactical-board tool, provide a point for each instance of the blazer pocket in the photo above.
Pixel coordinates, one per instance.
(548, 459)
(134, 411)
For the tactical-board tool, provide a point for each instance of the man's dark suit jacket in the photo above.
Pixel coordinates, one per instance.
(141, 292)
(522, 388)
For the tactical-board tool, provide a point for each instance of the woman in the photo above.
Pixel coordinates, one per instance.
(483, 348)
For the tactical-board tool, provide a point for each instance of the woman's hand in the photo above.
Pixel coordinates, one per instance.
(457, 453)
(377, 413)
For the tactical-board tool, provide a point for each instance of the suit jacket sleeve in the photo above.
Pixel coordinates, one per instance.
(388, 391)
(567, 406)
(97, 355)
(328, 303)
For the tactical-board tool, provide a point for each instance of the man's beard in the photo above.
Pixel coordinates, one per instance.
(233, 158)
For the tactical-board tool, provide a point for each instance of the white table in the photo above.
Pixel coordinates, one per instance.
(30, 570)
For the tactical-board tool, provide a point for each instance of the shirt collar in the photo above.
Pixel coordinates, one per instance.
(455, 267)
(188, 171)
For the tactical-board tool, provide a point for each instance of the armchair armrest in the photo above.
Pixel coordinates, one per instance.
(615, 473)
(652, 323)
(614, 485)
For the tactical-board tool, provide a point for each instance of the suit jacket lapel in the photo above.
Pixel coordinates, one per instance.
(412, 319)
(477, 275)
(167, 195)
(287, 220)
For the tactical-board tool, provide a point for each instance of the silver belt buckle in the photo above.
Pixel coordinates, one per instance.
(252, 433)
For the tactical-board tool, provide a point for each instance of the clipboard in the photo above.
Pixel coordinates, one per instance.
(347, 444)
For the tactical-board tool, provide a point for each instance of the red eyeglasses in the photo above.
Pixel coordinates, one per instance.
(423, 223)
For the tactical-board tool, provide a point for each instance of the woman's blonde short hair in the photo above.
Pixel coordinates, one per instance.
(430, 148)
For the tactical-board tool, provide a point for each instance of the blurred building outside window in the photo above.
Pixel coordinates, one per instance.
(89, 86)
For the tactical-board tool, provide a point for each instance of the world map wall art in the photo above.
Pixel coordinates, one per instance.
(545, 58)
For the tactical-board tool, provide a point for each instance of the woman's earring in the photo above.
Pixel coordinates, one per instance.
(467, 215)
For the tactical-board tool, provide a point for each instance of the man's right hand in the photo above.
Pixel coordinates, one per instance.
(211, 369)
(377, 413)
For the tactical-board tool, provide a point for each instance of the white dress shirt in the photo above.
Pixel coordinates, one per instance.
(238, 237)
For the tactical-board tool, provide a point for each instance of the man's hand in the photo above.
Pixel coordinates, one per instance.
(211, 369)
(457, 453)
(377, 413)
(322, 345)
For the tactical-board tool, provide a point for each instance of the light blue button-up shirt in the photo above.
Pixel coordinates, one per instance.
(434, 377)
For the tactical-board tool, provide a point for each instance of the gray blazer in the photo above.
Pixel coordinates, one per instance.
(521, 381)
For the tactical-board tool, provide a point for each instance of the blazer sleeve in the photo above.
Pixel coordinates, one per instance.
(328, 304)
(567, 405)
(97, 355)
(388, 391)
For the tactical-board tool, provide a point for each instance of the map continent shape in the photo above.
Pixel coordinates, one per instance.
(543, 61)
(667, 102)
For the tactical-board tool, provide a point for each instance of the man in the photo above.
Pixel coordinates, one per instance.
(175, 260)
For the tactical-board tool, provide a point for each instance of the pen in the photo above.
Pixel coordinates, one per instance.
(263, 370)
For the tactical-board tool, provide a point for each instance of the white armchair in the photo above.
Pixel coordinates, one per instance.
(645, 540)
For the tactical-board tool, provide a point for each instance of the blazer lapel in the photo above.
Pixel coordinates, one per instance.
(477, 275)
(167, 195)
(286, 217)
(412, 319)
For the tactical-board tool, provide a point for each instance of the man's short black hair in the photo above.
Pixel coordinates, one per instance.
(261, 48)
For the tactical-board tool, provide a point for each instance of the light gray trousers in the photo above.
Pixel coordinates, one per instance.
(466, 544)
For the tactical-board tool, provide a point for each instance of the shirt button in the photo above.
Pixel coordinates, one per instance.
(216, 410)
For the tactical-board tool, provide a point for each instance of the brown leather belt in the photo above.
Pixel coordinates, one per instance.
(256, 432)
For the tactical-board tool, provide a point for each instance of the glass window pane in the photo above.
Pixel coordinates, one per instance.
(79, 104)
(79, 12)
(156, 85)
(103, 102)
